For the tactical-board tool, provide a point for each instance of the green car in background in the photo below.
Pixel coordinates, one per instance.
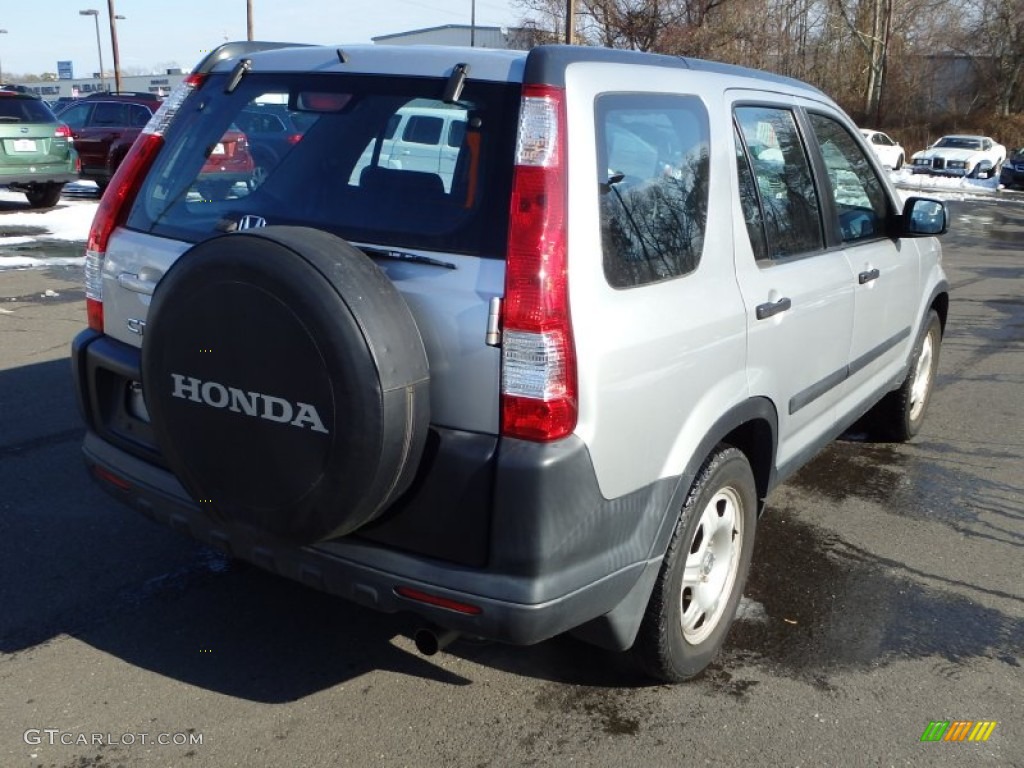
(36, 152)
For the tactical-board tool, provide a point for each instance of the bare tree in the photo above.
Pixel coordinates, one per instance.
(997, 44)
(922, 65)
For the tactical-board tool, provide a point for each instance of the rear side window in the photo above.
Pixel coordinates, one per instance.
(456, 133)
(77, 116)
(788, 199)
(652, 170)
(138, 116)
(338, 170)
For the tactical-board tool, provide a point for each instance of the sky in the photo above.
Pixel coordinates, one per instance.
(157, 34)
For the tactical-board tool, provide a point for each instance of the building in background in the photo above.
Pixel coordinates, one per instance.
(515, 38)
(79, 87)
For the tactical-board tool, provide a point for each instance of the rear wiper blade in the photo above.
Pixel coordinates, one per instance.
(416, 258)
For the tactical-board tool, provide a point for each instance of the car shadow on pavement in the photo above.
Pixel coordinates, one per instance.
(75, 562)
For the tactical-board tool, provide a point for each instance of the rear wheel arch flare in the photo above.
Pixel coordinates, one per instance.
(750, 426)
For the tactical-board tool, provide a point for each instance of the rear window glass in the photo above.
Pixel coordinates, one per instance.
(17, 109)
(423, 130)
(340, 166)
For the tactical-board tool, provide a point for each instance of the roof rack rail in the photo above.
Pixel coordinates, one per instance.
(132, 94)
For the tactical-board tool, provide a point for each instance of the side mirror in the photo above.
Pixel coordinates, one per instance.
(924, 217)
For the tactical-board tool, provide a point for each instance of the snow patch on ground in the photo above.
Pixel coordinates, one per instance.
(951, 188)
(69, 220)
(66, 223)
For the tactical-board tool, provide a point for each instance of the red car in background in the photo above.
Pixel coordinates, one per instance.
(105, 125)
(229, 163)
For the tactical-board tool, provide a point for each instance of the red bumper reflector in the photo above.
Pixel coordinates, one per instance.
(109, 477)
(440, 602)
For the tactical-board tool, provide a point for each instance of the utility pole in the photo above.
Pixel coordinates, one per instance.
(113, 44)
(570, 22)
(99, 48)
(248, 20)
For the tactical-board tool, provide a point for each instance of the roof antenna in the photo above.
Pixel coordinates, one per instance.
(341, 56)
(456, 82)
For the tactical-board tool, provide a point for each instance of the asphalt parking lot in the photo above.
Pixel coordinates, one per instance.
(886, 593)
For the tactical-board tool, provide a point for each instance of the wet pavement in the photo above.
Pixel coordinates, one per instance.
(886, 592)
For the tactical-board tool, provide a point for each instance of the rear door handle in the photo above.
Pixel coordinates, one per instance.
(764, 311)
(868, 276)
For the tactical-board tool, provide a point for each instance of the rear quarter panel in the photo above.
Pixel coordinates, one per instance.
(658, 364)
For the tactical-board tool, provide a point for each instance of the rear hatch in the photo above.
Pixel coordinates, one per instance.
(28, 137)
(440, 235)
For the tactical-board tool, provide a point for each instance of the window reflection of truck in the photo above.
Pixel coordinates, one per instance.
(419, 139)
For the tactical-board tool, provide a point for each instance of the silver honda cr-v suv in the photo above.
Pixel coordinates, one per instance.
(541, 388)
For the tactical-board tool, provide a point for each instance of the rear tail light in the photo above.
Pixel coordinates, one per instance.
(538, 388)
(120, 195)
(63, 132)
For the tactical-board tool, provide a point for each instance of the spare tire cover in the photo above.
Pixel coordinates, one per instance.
(286, 381)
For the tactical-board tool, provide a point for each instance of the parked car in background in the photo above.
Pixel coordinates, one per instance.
(976, 157)
(1012, 173)
(228, 163)
(36, 153)
(272, 130)
(104, 127)
(888, 150)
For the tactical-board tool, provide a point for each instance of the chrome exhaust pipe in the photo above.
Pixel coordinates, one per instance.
(430, 640)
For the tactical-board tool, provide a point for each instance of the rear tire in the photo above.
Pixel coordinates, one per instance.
(701, 579)
(44, 195)
(900, 414)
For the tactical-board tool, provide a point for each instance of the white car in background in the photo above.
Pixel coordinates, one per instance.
(971, 156)
(889, 152)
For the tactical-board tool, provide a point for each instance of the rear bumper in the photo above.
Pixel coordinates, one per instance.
(361, 571)
(21, 180)
(553, 553)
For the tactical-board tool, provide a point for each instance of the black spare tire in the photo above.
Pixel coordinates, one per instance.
(286, 381)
